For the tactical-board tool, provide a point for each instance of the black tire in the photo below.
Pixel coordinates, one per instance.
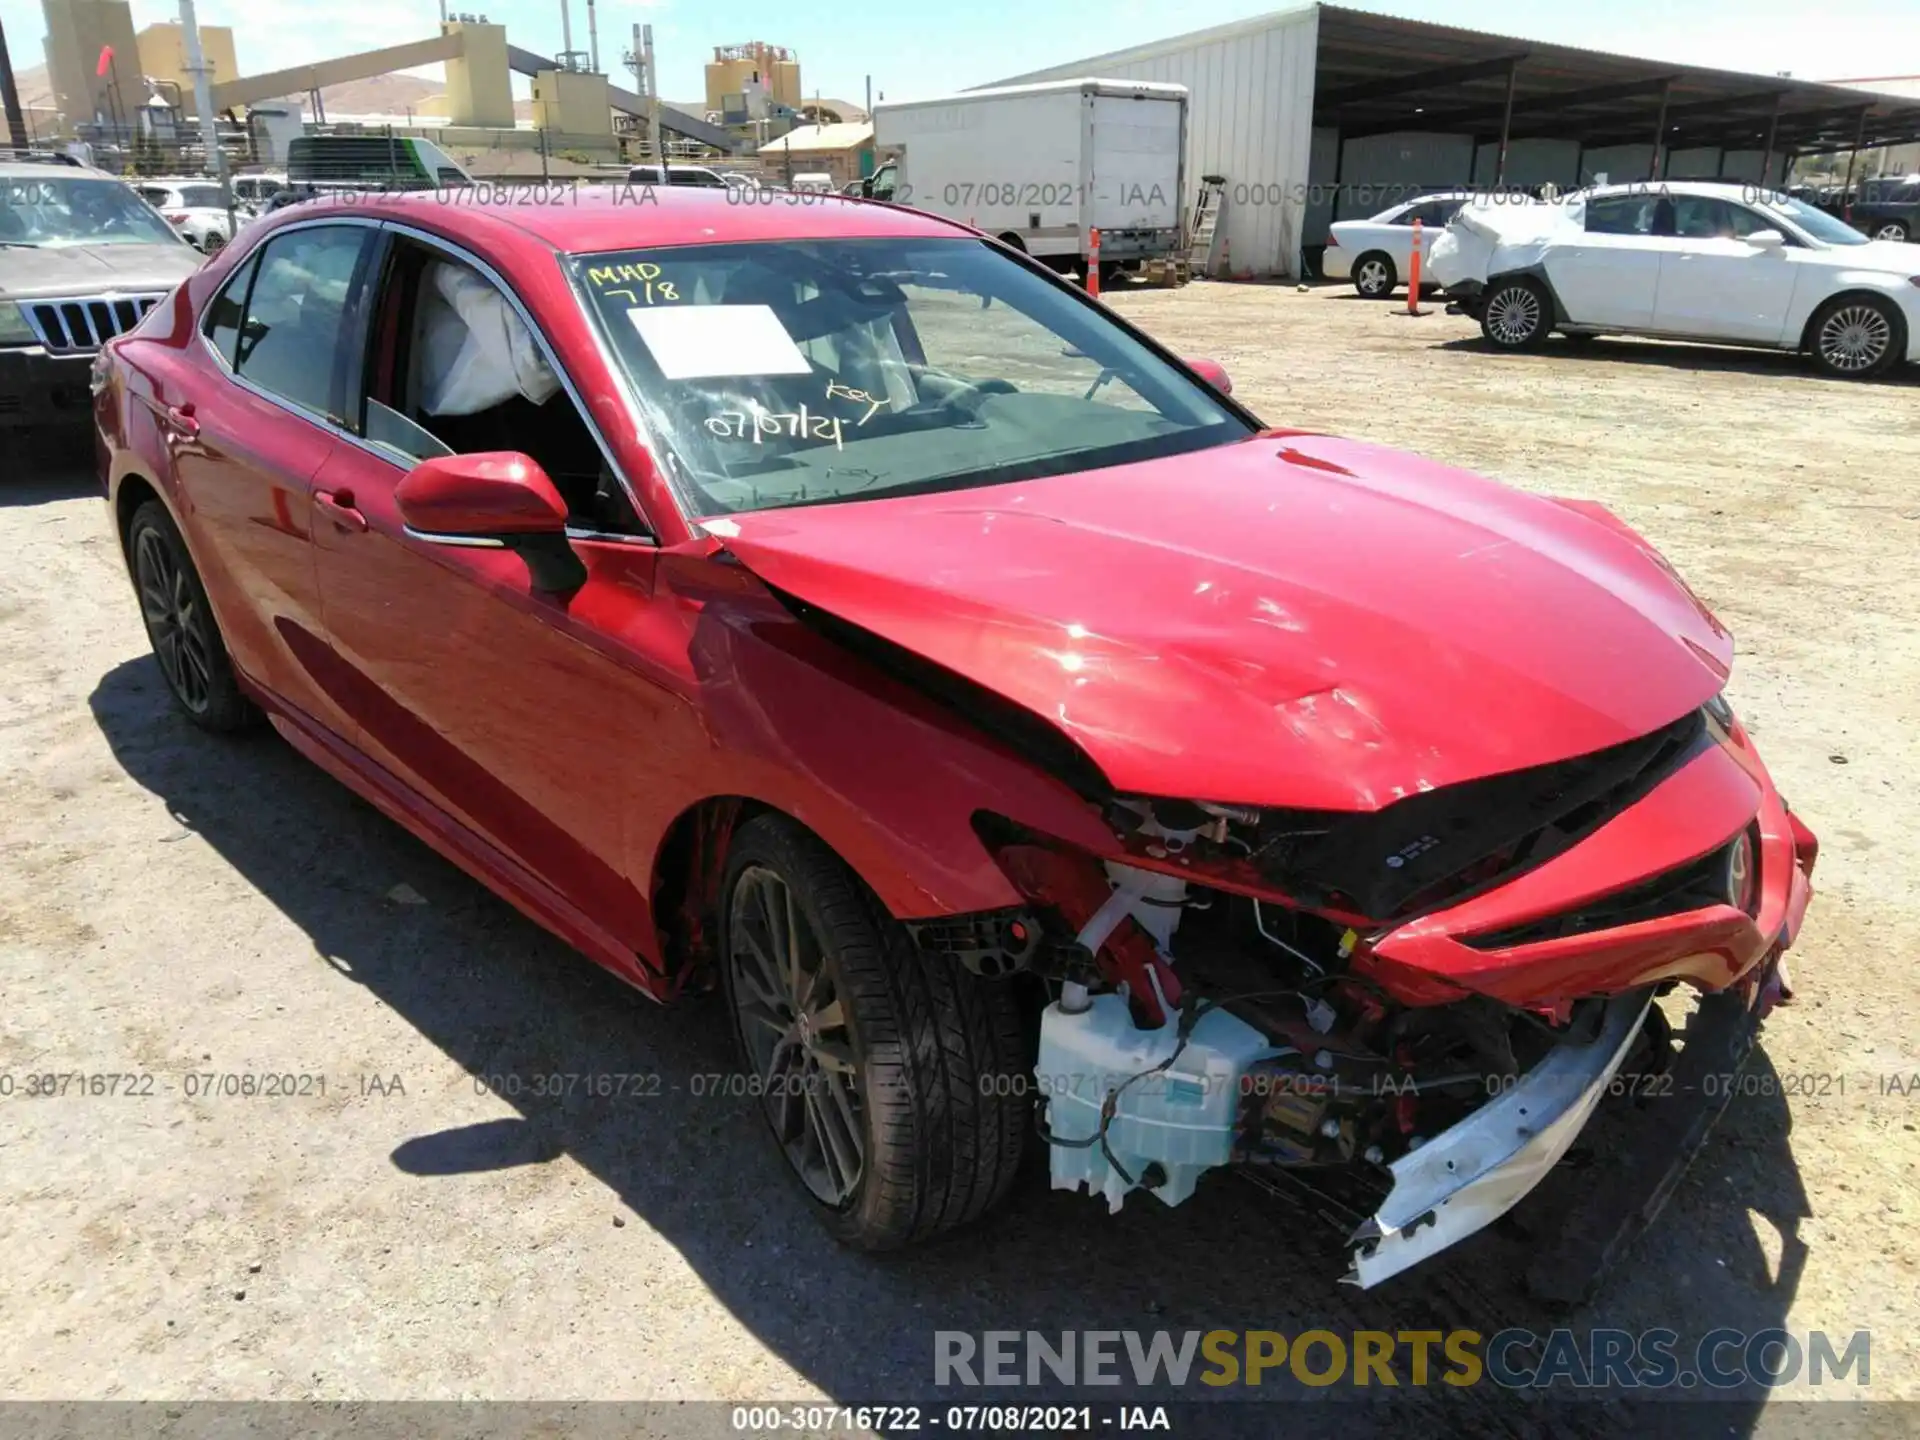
(1517, 314)
(924, 1040)
(1374, 275)
(181, 627)
(1856, 337)
(1897, 230)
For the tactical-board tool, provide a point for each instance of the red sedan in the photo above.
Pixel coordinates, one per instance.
(820, 602)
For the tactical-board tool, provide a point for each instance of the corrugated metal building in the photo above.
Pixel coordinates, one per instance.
(1251, 121)
(1318, 113)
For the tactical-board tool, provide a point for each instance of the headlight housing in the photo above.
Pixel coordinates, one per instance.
(14, 329)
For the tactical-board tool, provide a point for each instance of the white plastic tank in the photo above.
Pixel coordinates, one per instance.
(1181, 1118)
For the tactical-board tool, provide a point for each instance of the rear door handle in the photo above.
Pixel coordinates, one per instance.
(339, 507)
(180, 420)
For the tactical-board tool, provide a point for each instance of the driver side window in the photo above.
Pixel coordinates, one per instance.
(452, 369)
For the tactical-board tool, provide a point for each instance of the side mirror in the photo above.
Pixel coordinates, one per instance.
(493, 500)
(1214, 373)
(1767, 240)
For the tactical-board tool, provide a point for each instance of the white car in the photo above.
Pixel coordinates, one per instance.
(1377, 254)
(1686, 261)
(253, 191)
(194, 208)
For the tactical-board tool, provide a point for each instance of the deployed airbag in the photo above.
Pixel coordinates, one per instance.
(1494, 235)
(477, 352)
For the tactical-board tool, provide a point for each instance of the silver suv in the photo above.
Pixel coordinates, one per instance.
(82, 258)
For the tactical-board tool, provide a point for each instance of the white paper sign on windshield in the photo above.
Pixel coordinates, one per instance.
(697, 342)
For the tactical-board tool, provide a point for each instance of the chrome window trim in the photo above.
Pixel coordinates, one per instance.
(462, 542)
(616, 537)
(395, 458)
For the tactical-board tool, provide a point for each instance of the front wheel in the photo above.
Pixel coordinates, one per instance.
(1855, 337)
(873, 1064)
(1517, 315)
(1891, 230)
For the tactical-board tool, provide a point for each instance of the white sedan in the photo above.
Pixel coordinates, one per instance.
(1686, 261)
(194, 208)
(1377, 254)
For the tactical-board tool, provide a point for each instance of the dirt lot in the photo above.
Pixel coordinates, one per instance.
(171, 904)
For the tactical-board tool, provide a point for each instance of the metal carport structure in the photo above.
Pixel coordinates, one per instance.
(1318, 112)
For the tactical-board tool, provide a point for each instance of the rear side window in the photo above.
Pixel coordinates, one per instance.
(222, 323)
(290, 337)
(1430, 213)
(1622, 215)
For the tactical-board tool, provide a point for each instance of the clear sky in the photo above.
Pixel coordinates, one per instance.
(915, 49)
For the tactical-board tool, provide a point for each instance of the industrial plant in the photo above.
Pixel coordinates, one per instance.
(127, 97)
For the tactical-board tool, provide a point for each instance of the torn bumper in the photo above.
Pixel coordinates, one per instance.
(1467, 1177)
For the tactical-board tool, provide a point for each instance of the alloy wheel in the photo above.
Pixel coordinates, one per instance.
(1855, 338)
(1372, 278)
(177, 623)
(794, 1025)
(1513, 315)
(1893, 231)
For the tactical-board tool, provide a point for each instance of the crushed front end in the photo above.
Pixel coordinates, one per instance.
(1402, 1017)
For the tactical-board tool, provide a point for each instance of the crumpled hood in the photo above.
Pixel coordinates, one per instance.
(29, 272)
(1292, 620)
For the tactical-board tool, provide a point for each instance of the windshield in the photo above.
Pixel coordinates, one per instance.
(806, 372)
(1817, 223)
(52, 211)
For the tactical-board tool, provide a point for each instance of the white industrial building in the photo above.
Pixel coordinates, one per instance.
(1320, 112)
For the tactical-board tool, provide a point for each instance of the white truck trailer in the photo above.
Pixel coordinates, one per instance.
(1042, 166)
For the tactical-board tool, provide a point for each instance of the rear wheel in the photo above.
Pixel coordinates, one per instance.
(180, 624)
(1374, 275)
(1517, 315)
(872, 1063)
(1890, 230)
(1855, 337)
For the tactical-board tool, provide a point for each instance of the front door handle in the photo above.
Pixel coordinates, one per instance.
(340, 509)
(181, 422)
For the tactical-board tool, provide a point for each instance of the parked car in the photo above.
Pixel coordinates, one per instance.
(697, 176)
(374, 162)
(1687, 261)
(82, 258)
(1377, 253)
(255, 190)
(193, 207)
(980, 698)
(1887, 208)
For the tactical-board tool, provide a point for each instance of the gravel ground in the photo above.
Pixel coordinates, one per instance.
(173, 905)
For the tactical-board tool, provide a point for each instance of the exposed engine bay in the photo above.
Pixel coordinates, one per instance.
(1195, 1026)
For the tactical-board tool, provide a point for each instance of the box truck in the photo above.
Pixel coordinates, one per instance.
(1042, 166)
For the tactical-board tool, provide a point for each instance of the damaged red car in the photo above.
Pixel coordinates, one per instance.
(824, 605)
